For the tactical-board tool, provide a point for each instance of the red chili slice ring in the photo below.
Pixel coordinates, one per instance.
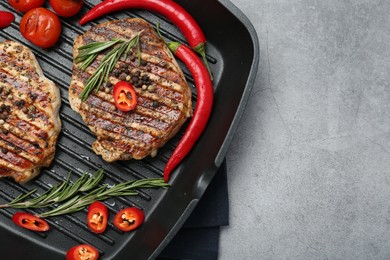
(82, 252)
(30, 222)
(97, 217)
(125, 96)
(129, 219)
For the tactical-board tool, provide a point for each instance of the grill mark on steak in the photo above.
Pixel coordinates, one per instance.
(125, 123)
(138, 117)
(20, 128)
(34, 148)
(14, 161)
(112, 127)
(33, 156)
(158, 114)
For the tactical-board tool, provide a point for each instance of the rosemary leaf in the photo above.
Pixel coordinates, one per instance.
(90, 183)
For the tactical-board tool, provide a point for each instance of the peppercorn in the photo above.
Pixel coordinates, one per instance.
(4, 131)
(122, 76)
(144, 62)
(134, 79)
(4, 150)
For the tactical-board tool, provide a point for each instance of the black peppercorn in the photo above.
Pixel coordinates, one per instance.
(122, 76)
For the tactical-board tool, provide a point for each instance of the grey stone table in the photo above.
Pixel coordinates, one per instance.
(309, 167)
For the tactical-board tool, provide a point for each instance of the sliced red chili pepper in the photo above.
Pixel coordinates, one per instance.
(129, 219)
(6, 18)
(203, 107)
(82, 252)
(173, 11)
(125, 96)
(30, 222)
(97, 217)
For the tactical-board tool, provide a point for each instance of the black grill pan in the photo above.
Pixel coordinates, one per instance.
(233, 53)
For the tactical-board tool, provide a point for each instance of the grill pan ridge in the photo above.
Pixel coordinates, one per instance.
(233, 54)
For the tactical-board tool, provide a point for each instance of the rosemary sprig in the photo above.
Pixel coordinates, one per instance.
(85, 190)
(57, 194)
(89, 52)
(104, 192)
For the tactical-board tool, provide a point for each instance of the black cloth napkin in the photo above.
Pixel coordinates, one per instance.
(199, 236)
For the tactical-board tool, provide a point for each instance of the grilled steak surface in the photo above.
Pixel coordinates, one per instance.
(29, 114)
(163, 95)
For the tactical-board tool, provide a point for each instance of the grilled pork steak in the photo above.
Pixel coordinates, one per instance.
(29, 114)
(163, 95)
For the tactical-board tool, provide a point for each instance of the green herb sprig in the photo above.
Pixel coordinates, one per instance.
(68, 197)
(89, 52)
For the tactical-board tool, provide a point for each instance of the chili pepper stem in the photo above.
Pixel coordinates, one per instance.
(201, 49)
(173, 46)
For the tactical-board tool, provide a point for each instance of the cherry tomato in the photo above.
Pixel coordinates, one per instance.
(6, 18)
(129, 219)
(124, 96)
(30, 222)
(82, 252)
(97, 217)
(66, 8)
(25, 5)
(41, 27)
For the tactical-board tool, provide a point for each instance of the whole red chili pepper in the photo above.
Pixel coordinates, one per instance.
(6, 18)
(174, 12)
(203, 107)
